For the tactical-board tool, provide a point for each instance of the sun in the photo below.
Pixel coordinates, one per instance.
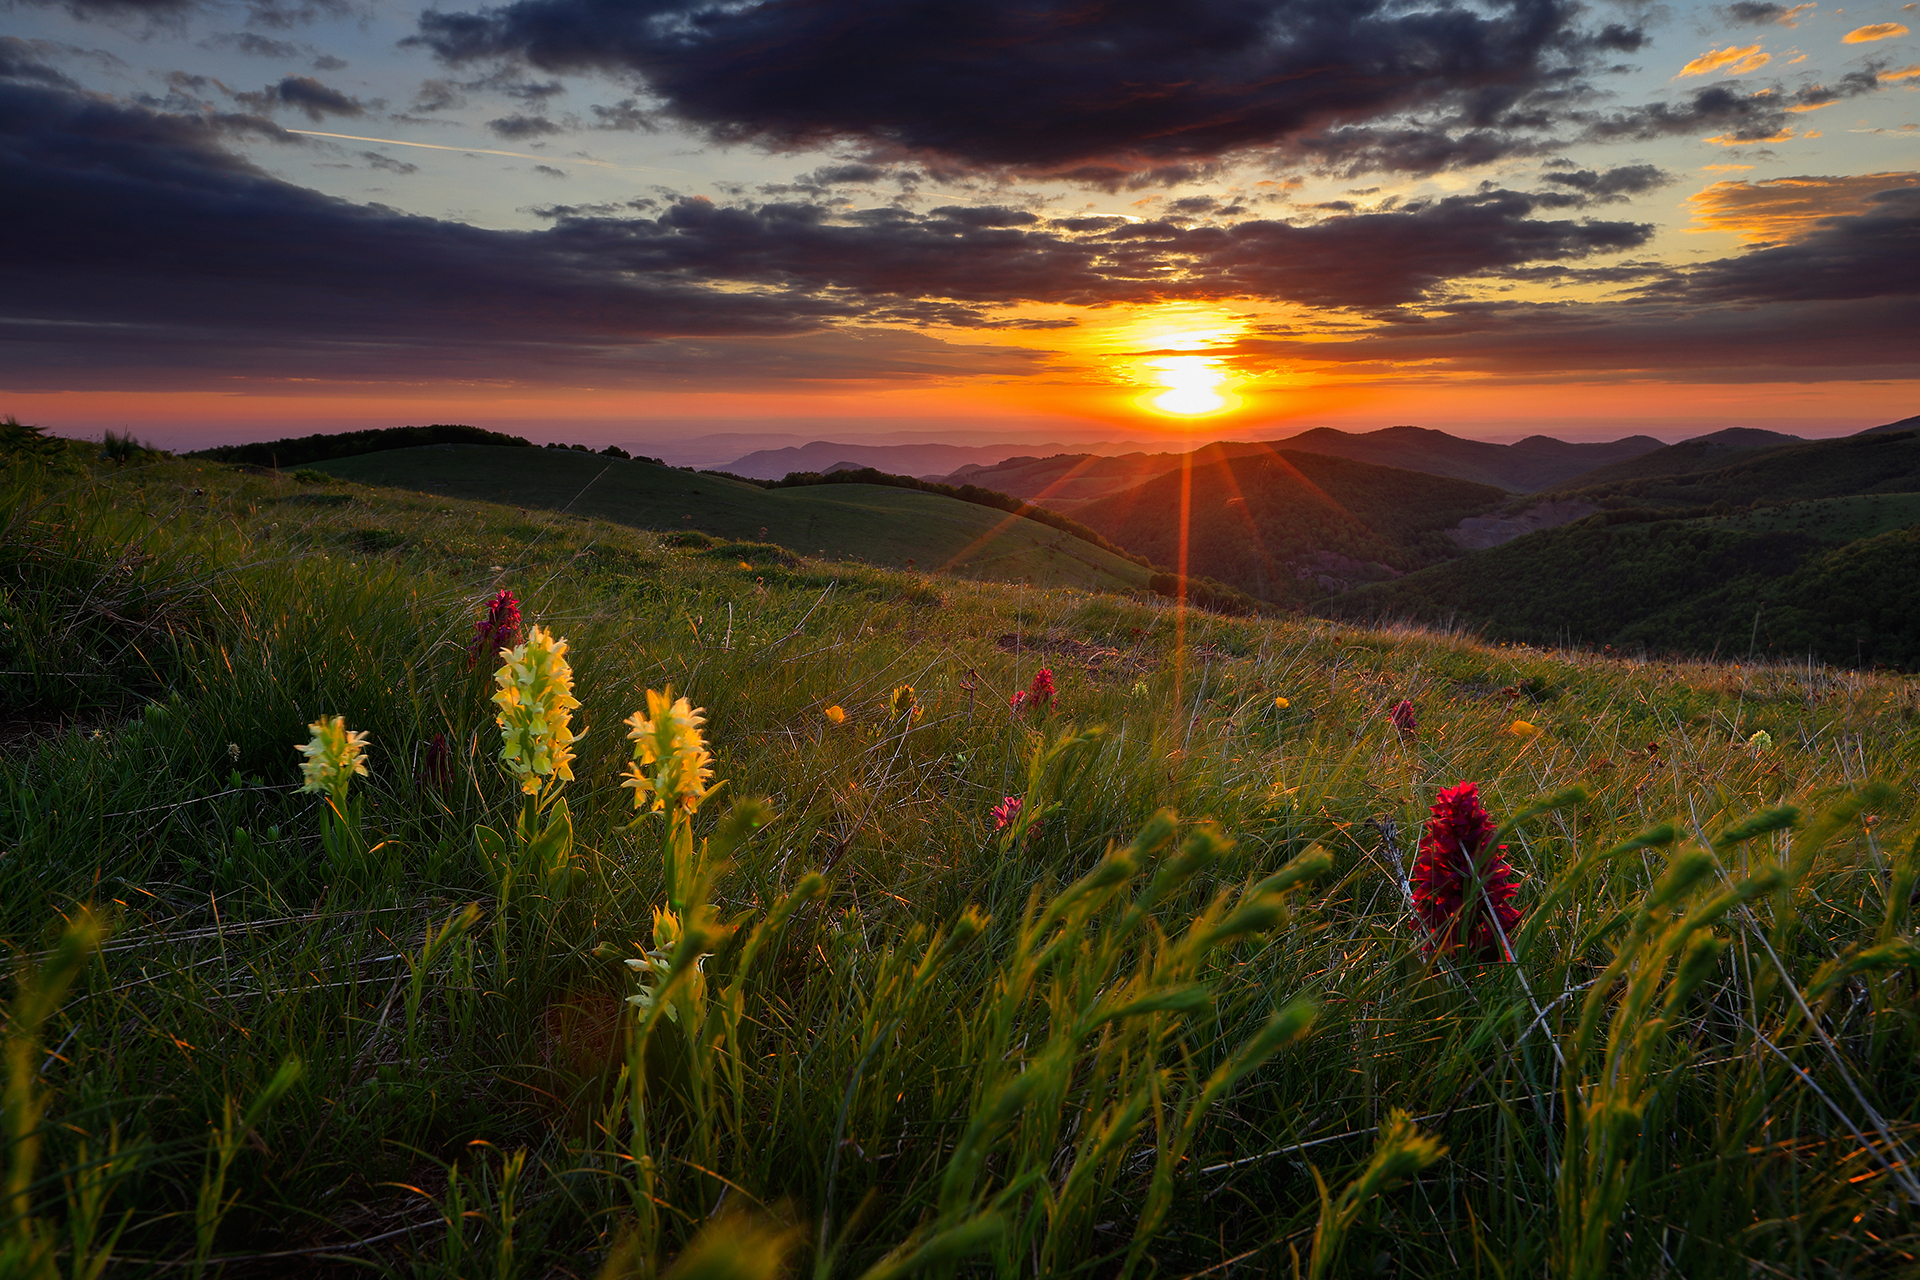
(1177, 355)
(1192, 387)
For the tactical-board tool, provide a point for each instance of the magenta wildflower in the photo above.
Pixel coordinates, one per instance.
(1457, 878)
(1006, 812)
(500, 629)
(1036, 697)
(436, 766)
(1403, 718)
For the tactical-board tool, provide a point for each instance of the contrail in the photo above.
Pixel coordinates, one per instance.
(484, 151)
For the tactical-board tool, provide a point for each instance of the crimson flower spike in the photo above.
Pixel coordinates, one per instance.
(1460, 885)
(1037, 697)
(1403, 718)
(500, 629)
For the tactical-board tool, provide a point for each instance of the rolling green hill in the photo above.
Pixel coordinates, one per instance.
(879, 525)
(300, 451)
(1287, 527)
(1838, 580)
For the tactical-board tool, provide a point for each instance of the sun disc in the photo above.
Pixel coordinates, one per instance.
(1192, 387)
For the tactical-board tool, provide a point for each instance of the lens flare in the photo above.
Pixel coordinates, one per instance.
(1192, 386)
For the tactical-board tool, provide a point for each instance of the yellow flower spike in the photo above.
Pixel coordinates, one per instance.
(1281, 704)
(1522, 729)
(902, 701)
(667, 736)
(666, 929)
(536, 704)
(835, 714)
(333, 756)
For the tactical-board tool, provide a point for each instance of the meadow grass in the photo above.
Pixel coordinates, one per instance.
(1180, 1025)
(872, 524)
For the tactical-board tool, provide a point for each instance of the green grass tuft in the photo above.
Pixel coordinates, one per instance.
(1179, 1024)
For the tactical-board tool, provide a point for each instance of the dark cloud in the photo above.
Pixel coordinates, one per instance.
(550, 171)
(1109, 92)
(327, 62)
(285, 14)
(18, 62)
(1585, 342)
(625, 116)
(1728, 110)
(513, 82)
(519, 128)
(1745, 11)
(1619, 183)
(277, 14)
(152, 251)
(302, 93)
(438, 95)
(1415, 151)
(254, 43)
(112, 9)
(1840, 302)
(150, 248)
(1875, 254)
(378, 160)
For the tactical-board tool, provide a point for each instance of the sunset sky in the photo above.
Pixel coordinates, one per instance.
(642, 221)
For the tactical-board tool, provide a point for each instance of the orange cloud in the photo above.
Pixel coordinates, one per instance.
(1728, 140)
(1780, 209)
(1810, 106)
(1726, 168)
(1734, 60)
(1875, 31)
(1903, 73)
(1791, 18)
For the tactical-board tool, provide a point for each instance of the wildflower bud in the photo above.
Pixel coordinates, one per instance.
(1403, 719)
(1760, 741)
(499, 630)
(1006, 812)
(333, 756)
(1455, 872)
(666, 929)
(667, 737)
(536, 704)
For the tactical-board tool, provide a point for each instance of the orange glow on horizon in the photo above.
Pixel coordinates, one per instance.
(1103, 407)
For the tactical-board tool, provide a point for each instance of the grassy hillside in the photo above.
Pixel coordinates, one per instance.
(1275, 525)
(865, 522)
(1838, 580)
(249, 1034)
(301, 451)
(1068, 481)
(1701, 474)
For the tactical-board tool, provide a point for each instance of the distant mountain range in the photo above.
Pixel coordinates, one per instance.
(1795, 549)
(1702, 453)
(1523, 467)
(1066, 481)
